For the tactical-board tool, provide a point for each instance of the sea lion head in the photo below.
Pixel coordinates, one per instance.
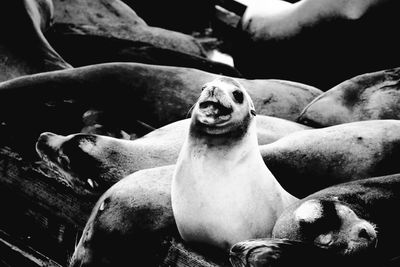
(83, 160)
(224, 109)
(329, 224)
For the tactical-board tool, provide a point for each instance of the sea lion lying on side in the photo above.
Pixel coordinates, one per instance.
(369, 96)
(156, 95)
(278, 38)
(133, 217)
(100, 161)
(23, 22)
(302, 161)
(128, 92)
(311, 160)
(352, 220)
(116, 19)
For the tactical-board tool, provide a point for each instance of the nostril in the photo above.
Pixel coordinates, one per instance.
(363, 233)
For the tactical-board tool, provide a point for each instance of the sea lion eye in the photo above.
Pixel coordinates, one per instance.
(63, 161)
(238, 95)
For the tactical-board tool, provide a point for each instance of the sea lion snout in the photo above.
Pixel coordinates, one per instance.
(48, 143)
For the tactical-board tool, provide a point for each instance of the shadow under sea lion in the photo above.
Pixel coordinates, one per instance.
(350, 220)
(23, 22)
(369, 96)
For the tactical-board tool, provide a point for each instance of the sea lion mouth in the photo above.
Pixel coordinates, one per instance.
(214, 112)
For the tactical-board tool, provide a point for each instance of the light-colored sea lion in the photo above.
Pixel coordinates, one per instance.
(23, 22)
(369, 96)
(351, 220)
(287, 35)
(221, 191)
(98, 162)
(307, 161)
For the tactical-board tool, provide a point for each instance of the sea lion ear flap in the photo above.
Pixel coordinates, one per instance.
(252, 108)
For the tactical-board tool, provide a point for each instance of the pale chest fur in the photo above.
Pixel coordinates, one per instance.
(221, 201)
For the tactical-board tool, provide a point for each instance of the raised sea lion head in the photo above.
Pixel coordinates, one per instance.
(224, 109)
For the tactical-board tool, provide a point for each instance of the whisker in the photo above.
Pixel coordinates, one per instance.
(188, 114)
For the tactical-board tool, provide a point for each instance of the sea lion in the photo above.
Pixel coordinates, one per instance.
(287, 35)
(22, 22)
(113, 18)
(369, 96)
(220, 183)
(133, 217)
(156, 95)
(308, 161)
(303, 160)
(129, 92)
(85, 49)
(170, 14)
(350, 220)
(97, 161)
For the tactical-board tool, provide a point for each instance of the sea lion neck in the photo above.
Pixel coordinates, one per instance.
(232, 146)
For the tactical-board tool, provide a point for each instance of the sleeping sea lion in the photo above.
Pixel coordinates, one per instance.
(277, 38)
(113, 18)
(23, 22)
(350, 220)
(308, 161)
(132, 218)
(369, 96)
(154, 94)
(128, 92)
(220, 183)
(97, 161)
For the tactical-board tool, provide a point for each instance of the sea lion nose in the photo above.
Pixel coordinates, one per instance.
(44, 137)
(365, 231)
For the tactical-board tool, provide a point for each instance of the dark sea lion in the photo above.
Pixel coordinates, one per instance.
(23, 22)
(97, 162)
(369, 96)
(220, 183)
(156, 95)
(170, 14)
(350, 220)
(281, 37)
(307, 161)
(113, 18)
(86, 49)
